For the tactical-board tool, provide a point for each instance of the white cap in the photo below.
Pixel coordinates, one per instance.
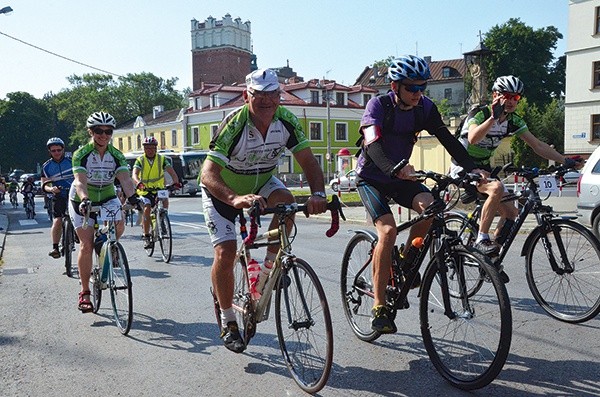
(262, 80)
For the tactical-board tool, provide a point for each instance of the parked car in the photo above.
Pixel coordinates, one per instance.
(588, 193)
(572, 177)
(344, 183)
(16, 173)
(35, 176)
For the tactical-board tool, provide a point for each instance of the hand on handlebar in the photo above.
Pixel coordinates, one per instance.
(84, 206)
(316, 205)
(140, 186)
(407, 173)
(135, 202)
(573, 162)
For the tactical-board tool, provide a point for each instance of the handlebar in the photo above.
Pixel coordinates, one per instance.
(284, 210)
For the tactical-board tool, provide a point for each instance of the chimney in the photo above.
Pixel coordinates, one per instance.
(157, 110)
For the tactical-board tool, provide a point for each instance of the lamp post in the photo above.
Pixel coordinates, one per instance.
(5, 10)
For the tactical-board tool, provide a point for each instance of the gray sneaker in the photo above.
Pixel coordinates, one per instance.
(488, 247)
(232, 338)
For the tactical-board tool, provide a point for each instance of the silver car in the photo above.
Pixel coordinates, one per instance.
(344, 183)
(588, 193)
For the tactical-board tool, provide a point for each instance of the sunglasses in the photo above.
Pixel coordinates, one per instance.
(100, 131)
(415, 87)
(55, 150)
(264, 94)
(512, 96)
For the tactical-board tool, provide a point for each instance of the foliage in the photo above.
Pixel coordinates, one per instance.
(521, 51)
(383, 62)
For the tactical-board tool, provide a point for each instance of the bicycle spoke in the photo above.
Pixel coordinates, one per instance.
(120, 289)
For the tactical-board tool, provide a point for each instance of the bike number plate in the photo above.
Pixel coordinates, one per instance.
(548, 184)
(110, 210)
(162, 194)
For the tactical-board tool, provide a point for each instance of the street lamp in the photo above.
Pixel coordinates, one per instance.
(6, 10)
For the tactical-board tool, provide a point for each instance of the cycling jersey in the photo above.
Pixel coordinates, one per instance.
(60, 173)
(247, 159)
(13, 187)
(152, 173)
(101, 171)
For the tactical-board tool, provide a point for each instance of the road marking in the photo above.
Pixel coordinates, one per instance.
(27, 222)
(190, 225)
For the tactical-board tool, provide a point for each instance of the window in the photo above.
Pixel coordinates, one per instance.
(120, 144)
(214, 100)
(448, 93)
(316, 132)
(595, 126)
(596, 83)
(174, 138)
(366, 98)
(138, 142)
(195, 136)
(445, 71)
(597, 21)
(341, 132)
(314, 97)
(213, 130)
(285, 164)
(340, 98)
(129, 147)
(163, 139)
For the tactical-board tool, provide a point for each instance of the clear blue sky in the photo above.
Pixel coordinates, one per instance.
(335, 39)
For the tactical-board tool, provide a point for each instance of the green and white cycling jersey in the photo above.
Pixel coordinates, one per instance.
(482, 151)
(247, 159)
(100, 170)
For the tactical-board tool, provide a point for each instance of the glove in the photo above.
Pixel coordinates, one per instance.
(141, 186)
(135, 202)
(571, 162)
(177, 185)
(84, 206)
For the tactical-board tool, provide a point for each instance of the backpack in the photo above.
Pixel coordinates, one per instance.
(389, 118)
(486, 114)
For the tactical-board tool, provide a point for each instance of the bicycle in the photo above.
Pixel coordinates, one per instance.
(467, 337)
(160, 226)
(302, 315)
(562, 257)
(110, 269)
(13, 199)
(29, 204)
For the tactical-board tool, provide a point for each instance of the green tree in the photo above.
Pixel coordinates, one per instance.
(383, 62)
(528, 54)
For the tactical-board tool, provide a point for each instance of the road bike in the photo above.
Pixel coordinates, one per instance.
(302, 315)
(160, 227)
(562, 257)
(110, 269)
(467, 337)
(29, 204)
(13, 199)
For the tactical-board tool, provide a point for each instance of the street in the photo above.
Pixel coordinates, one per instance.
(47, 347)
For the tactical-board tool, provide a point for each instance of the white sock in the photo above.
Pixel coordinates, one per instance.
(482, 236)
(227, 315)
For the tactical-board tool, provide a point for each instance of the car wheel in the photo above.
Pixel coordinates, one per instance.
(596, 226)
(334, 187)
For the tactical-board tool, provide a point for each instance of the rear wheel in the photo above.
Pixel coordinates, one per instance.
(304, 326)
(96, 284)
(121, 294)
(164, 237)
(68, 246)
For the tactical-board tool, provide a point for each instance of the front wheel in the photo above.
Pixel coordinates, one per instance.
(121, 294)
(68, 246)
(571, 292)
(165, 239)
(153, 234)
(304, 325)
(469, 341)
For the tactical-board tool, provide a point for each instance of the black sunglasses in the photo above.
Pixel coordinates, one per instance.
(100, 131)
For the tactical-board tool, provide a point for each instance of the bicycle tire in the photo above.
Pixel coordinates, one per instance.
(165, 237)
(357, 300)
(95, 284)
(469, 350)
(451, 196)
(303, 323)
(68, 246)
(467, 232)
(574, 296)
(242, 303)
(150, 249)
(120, 286)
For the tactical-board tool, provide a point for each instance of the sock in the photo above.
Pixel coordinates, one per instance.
(227, 315)
(55, 246)
(482, 236)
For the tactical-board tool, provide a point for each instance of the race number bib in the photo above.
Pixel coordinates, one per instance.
(162, 194)
(110, 211)
(548, 184)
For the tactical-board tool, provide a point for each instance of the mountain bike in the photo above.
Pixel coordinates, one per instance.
(302, 316)
(562, 257)
(110, 269)
(160, 228)
(467, 337)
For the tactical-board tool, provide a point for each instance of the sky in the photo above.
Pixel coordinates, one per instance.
(320, 39)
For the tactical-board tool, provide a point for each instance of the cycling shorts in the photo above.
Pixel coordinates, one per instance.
(77, 218)
(59, 206)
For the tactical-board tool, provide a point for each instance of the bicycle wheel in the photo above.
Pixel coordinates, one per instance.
(451, 196)
(242, 303)
(150, 249)
(304, 326)
(164, 237)
(467, 232)
(571, 294)
(357, 285)
(121, 294)
(468, 347)
(95, 284)
(68, 246)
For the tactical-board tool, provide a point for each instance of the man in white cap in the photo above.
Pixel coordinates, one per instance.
(239, 170)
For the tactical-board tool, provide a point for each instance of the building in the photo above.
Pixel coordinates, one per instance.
(582, 97)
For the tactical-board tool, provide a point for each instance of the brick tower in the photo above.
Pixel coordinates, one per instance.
(221, 51)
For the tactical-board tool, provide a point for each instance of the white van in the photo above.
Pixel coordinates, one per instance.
(588, 193)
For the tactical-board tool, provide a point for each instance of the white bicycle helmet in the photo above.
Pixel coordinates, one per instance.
(101, 119)
(149, 140)
(408, 67)
(55, 141)
(508, 84)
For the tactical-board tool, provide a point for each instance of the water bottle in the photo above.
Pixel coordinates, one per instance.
(253, 272)
(100, 239)
(265, 271)
(412, 252)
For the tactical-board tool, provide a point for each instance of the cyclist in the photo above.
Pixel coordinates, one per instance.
(95, 167)
(13, 188)
(28, 191)
(3, 188)
(238, 171)
(481, 135)
(149, 177)
(389, 127)
(57, 169)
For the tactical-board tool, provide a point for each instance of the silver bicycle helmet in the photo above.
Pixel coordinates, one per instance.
(101, 119)
(508, 84)
(150, 140)
(55, 141)
(408, 67)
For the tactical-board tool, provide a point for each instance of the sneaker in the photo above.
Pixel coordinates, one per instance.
(147, 241)
(487, 247)
(54, 253)
(232, 338)
(381, 321)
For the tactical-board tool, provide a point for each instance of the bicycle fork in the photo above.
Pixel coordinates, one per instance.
(289, 271)
(568, 267)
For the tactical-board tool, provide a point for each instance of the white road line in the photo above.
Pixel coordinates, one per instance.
(199, 226)
(27, 222)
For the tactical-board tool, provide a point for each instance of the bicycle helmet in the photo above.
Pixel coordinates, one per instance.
(55, 141)
(408, 67)
(508, 84)
(150, 140)
(101, 119)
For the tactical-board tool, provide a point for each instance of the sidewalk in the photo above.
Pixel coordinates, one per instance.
(3, 230)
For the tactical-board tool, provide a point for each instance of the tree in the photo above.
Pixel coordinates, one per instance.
(527, 53)
(383, 62)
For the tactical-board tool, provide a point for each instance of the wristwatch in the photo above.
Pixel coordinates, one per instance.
(320, 194)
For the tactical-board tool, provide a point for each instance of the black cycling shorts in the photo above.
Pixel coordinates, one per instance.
(59, 206)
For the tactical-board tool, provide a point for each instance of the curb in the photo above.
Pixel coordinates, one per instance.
(3, 230)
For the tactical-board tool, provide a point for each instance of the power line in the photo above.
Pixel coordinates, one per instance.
(60, 56)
